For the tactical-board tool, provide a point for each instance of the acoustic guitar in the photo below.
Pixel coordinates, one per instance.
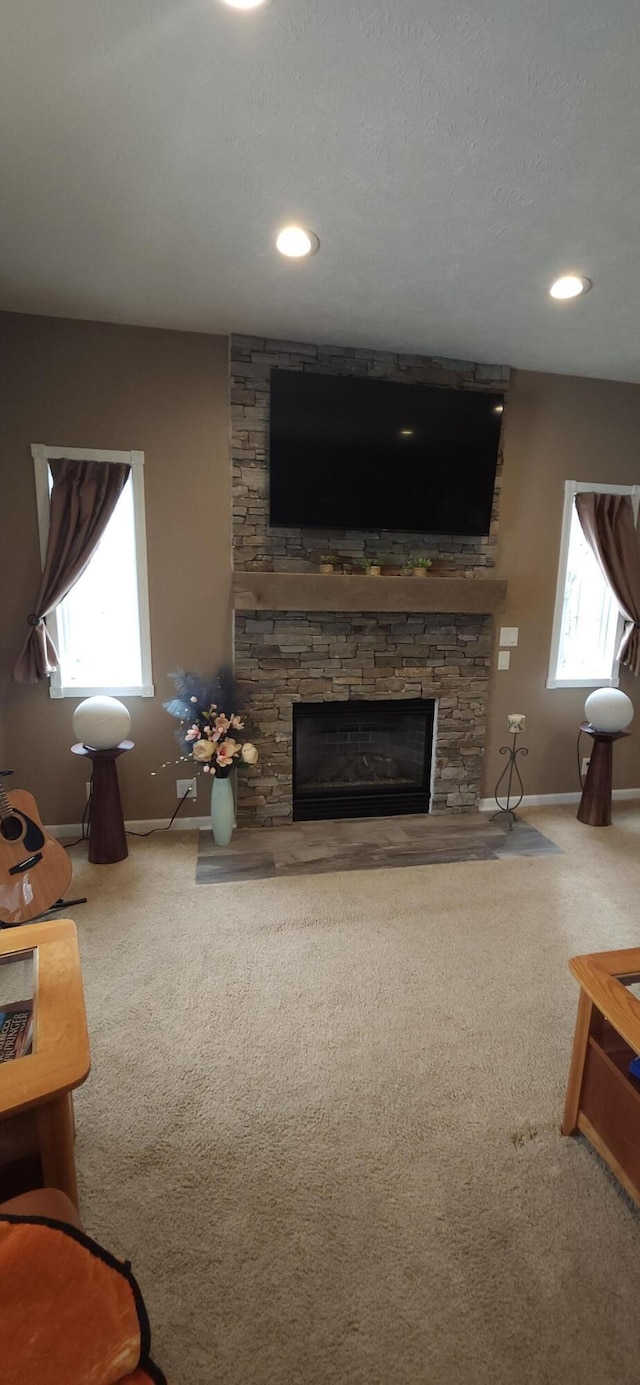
(34, 869)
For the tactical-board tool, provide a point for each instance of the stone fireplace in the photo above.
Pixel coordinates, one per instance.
(354, 640)
(288, 658)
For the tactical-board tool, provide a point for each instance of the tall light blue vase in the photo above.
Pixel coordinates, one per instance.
(222, 810)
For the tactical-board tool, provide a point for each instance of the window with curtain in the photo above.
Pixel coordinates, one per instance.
(101, 628)
(587, 625)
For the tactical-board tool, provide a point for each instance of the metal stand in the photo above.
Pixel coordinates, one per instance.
(510, 772)
(55, 909)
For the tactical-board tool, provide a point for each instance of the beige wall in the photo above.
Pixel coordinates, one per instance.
(557, 428)
(98, 386)
(93, 385)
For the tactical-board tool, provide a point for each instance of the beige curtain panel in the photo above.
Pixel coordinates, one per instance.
(83, 499)
(608, 526)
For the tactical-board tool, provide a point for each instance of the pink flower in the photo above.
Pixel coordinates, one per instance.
(222, 723)
(227, 752)
(193, 734)
(237, 723)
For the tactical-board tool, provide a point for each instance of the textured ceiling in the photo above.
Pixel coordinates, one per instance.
(452, 157)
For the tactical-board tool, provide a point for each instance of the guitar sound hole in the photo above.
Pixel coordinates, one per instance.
(11, 829)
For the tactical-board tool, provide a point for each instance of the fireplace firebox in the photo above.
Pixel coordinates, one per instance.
(362, 759)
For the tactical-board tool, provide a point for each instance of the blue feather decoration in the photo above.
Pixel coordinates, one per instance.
(196, 694)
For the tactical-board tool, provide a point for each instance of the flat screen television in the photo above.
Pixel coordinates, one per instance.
(351, 453)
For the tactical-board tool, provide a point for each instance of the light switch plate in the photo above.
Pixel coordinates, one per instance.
(504, 658)
(509, 635)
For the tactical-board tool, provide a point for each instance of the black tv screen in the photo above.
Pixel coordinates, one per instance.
(351, 453)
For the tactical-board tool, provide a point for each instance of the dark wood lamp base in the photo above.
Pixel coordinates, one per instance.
(595, 804)
(107, 835)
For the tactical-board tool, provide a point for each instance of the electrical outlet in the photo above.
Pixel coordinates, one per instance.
(504, 658)
(585, 764)
(188, 787)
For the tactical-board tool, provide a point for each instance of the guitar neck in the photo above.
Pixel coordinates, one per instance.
(6, 811)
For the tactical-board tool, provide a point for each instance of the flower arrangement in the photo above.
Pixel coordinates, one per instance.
(328, 562)
(208, 733)
(420, 565)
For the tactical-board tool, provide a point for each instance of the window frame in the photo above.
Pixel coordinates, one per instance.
(571, 489)
(42, 455)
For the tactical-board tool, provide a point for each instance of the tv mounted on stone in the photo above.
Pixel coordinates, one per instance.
(363, 454)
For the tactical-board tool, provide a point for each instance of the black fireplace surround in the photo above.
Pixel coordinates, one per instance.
(362, 759)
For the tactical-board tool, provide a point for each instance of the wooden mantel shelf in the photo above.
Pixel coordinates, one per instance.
(301, 591)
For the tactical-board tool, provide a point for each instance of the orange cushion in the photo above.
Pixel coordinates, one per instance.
(69, 1311)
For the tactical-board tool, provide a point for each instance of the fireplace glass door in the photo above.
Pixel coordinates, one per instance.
(361, 759)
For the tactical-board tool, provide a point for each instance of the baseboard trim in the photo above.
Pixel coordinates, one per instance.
(74, 829)
(549, 800)
(485, 805)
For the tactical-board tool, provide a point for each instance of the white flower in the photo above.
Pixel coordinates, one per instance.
(202, 750)
(249, 753)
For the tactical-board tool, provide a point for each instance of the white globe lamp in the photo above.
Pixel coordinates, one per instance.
(101, 723)
(608, 709)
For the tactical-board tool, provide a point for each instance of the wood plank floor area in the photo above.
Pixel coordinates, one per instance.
(313, 848)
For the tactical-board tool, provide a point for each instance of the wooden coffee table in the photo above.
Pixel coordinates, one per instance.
(603, 1098)
(60, 1061)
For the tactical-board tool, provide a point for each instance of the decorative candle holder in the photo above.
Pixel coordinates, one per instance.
(511, 777)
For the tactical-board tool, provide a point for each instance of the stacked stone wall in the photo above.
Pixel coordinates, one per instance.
(283, 657)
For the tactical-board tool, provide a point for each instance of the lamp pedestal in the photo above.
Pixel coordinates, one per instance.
(107, 836)
(595, 804)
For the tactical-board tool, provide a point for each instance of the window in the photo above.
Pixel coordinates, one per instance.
(101, 629)
(587, 625)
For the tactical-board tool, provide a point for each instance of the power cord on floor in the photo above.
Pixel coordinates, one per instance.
(84, 827)
(86, 818)
(160, 829)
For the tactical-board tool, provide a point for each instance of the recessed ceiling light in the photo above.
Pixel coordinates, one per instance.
(406, 432)
(570, 286)
(498, 408)
(295, 242)
(244, 4)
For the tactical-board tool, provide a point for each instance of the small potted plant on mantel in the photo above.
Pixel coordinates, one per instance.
(328, 562)
(372, 569)
(420, 566)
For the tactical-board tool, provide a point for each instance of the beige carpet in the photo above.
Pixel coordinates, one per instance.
(323, 1117)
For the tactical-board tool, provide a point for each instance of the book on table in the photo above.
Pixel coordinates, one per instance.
(16, 1006)
(16, 1030)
